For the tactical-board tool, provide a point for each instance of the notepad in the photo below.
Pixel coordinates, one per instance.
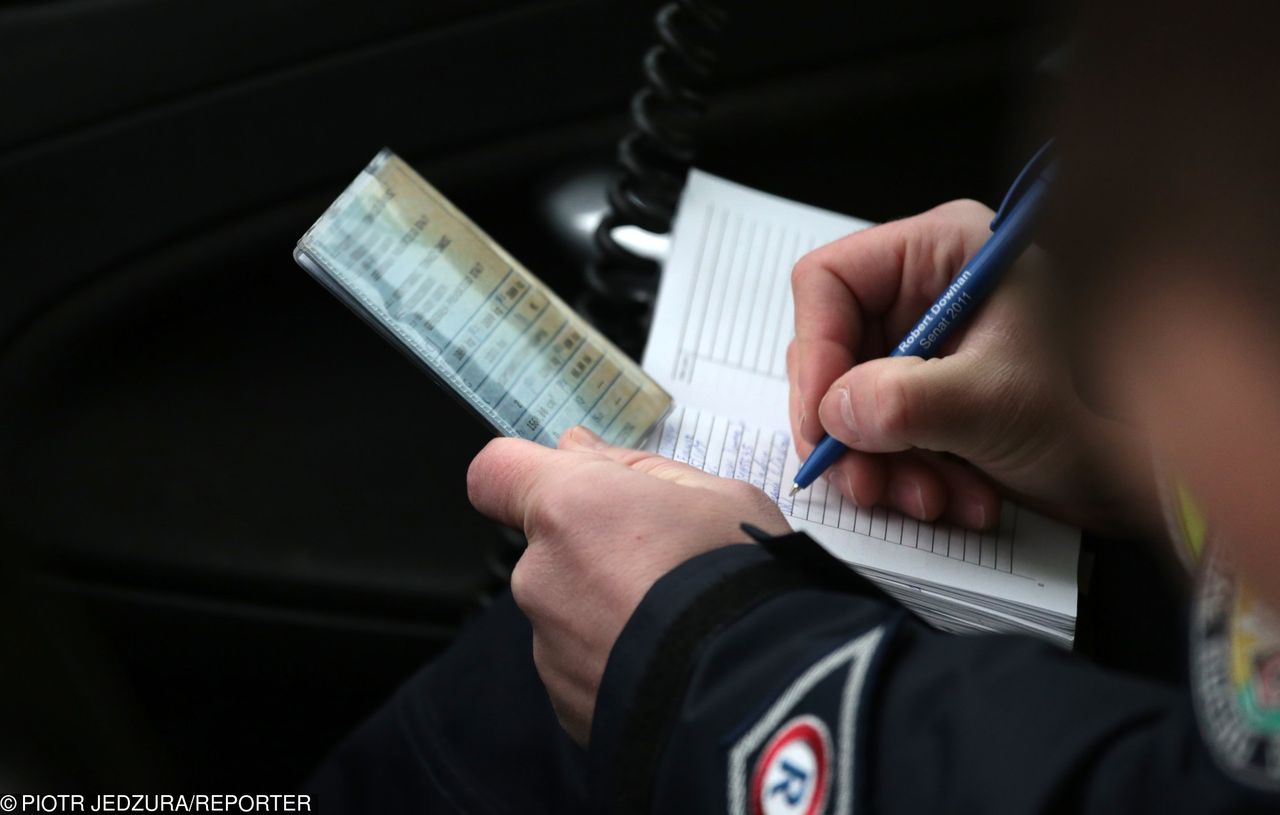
(723, 319)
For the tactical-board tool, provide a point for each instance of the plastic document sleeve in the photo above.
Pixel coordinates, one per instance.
(485, 328)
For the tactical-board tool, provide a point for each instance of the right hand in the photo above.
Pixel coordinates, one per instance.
(941, 438)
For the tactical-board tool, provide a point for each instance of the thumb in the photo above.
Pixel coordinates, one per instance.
(897, 403)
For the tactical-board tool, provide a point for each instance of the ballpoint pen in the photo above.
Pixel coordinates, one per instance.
(1012, 230)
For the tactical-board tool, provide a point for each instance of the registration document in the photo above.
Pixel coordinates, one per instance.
(497, 338)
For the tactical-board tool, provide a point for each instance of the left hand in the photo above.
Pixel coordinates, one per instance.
(603, 523)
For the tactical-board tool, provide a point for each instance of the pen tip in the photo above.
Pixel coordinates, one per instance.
(794, 489)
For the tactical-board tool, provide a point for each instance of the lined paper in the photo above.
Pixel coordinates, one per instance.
(718, 344)
(767, 459)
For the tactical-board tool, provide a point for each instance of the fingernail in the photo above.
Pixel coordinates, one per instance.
(588, 438)
(915, 498)
(840, 480)
(975, 513)
(846, 413)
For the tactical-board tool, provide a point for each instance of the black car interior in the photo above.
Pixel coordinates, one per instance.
(233, 519)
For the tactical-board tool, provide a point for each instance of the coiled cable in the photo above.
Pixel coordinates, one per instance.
(653, 158)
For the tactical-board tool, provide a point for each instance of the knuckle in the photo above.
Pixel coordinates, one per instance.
(522, 586)
(967, 209)
(895, 412)
(643, 461)
(477, 471)
(492, 463)
(659, 467)
(803, 272)
(551, 509)
(474, 480)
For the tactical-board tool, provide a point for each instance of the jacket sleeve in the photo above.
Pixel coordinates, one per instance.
(772, 679)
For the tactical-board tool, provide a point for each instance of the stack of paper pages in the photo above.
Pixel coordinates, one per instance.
(723, 321)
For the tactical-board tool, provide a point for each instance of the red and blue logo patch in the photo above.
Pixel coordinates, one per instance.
(793, 773)
(788, 763)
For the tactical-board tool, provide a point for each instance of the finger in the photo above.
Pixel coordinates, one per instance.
(860, 477)
(580, 439)
(972, 501)
(801, 415)
(887, 275)
(893, 404)
(819, 363)
(804, 448)
(828, 321)
(795, 405)
(503, 474)
(742, 495)
(914, 488)
(895, 269)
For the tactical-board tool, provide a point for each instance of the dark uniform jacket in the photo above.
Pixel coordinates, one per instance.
(767, 679)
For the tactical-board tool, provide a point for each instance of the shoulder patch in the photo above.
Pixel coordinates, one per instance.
(793, 774)
(1235, 676)
(795, 765)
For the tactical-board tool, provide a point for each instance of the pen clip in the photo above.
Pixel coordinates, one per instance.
(1030, 173)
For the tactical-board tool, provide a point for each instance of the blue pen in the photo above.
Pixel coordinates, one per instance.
(1011, 232)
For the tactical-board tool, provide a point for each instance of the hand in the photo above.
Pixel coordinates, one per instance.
(997, 398)
(603, 524)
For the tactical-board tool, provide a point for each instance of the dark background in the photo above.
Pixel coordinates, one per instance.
(233, 518)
